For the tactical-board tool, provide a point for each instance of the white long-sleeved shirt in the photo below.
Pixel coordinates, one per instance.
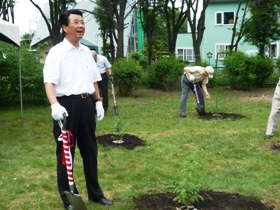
(197, 72)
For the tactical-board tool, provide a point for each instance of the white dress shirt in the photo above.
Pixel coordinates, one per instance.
(102, 64)
(72, 70)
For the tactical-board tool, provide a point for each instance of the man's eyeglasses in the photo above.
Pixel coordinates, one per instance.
(76, 22)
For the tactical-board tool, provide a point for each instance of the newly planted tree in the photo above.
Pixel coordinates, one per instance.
(187, 188)
(118, 129)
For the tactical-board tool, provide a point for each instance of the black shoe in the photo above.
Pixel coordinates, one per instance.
(182, 115)
(70, 207)
(268, 136)
(103, 201)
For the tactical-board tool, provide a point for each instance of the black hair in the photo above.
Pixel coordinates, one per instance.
(64, 17)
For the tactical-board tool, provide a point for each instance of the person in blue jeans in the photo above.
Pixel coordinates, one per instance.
(191, 77)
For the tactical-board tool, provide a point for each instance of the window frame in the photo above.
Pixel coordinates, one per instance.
(184, 55)
(223, 52)
(222, 13)
(275, 45)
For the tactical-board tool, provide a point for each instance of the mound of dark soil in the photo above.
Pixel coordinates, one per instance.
(128, 141)
(212, 201)
(210, 116)
(275, 145)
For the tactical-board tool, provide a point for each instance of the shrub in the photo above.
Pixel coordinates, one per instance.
(219, 79)
(31, 73)
(245, 72)
(165, 74)
(127, 76)
(143, 63)
(135, 56)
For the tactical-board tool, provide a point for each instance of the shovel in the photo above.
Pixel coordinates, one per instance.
(115, 110)
(74, 199)
(200, 109)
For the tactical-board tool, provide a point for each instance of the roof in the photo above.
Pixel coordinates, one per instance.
(9, 32)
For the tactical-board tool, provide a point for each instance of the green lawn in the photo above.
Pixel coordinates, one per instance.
(233, 157)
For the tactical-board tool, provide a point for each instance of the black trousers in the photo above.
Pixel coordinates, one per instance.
(103, 88)
(81, 123)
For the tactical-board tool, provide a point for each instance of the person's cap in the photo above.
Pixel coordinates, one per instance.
(210, 71)
(93, 52)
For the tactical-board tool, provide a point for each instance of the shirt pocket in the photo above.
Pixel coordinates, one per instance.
(87, 71)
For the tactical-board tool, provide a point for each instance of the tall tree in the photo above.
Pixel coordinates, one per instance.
(7, 10)
(149, 11)
(53, 22)
(197, 25)
(116, 13)
(175, 18)
(104, 28)
(105, 18)
(239, 26)
(265, 18)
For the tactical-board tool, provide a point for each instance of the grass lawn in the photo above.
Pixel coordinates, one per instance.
(233, 155)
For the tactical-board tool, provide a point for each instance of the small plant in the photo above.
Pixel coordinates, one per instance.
(117, 128)
(187, 189)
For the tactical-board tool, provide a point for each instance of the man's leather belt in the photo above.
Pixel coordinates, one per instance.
(83, 95)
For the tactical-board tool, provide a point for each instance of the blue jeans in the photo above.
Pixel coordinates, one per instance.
(186, 87)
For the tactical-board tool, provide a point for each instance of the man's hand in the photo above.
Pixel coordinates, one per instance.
(111, 77)
(192, 78)
(58, 111)
(207, 95)
(99, 110)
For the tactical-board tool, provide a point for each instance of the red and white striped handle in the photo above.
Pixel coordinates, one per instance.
(67, 156)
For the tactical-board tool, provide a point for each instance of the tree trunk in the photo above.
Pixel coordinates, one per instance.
(174, 22)
(197, 28)
(150, 47)
(120, 44)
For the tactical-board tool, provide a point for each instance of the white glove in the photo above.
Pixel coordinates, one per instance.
(192, 78)
(99, 110)
(58, 111)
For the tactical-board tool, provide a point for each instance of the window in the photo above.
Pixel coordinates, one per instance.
(221, 51)
(273, 50)
(224, 18)
(185, 54)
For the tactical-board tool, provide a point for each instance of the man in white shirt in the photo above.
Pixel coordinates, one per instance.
(70, 78)
(104, 66)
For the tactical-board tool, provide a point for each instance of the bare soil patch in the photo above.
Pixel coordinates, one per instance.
(210, 116)
(113, 140)
(275, 145)
(212, 201)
